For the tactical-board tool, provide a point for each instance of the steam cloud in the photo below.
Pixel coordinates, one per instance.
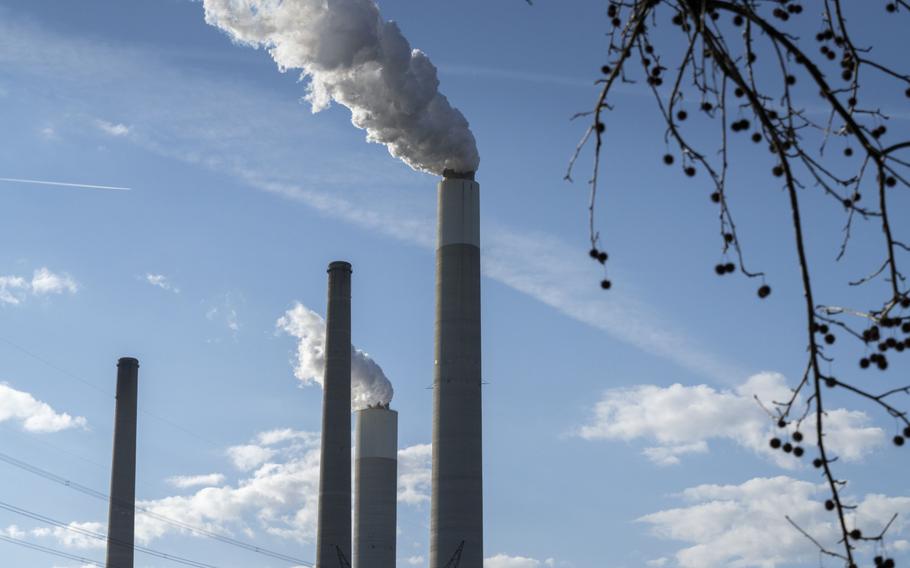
(354, 57)
(369, 385)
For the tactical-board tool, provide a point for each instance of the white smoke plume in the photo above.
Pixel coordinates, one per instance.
(369, 385)
(353, 57)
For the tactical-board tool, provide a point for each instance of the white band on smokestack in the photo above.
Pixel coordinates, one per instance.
(375, 487)
(459, 199)
(377, 433)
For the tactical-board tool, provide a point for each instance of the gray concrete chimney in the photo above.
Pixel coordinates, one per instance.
(375, 487)
(122, 512)
(333, 533)
(456, 518)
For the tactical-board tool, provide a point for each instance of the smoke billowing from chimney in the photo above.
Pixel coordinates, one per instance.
(369, 385)
(354, 57)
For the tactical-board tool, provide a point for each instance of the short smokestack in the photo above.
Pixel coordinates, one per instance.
(333, 538)
(122, 512)
(375, 487)
(456, 519)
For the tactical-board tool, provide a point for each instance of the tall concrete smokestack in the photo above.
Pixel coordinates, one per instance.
(334, 523)
(456, 520)
(122, 512)
(375, 487)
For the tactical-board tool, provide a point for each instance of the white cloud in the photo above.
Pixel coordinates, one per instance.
(74, 539)
(12, 288)
(32, 414)
(506, 561)
(249, 456)
(112, 128)
(279, 495)
(277, 436)
(46, 282)
(15, 289)
(682, 420)
(415, 474)
(13, 531)
(161, 281)
(49, 133)
(187, 481)
(369, 385)
(744, 525)
(415, 560)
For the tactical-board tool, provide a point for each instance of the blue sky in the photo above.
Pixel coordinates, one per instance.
(619, 428)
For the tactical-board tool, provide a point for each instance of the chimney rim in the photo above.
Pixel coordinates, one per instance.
(340, 265)
(452, 174)
(128, 362)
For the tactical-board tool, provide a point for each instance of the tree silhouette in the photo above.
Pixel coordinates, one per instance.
(740, 64)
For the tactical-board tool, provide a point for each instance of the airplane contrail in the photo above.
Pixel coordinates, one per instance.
(64, 184)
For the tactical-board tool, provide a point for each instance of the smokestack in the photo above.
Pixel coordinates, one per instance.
(122, 512)
(375, 487)
(456, 519)
(334, 523)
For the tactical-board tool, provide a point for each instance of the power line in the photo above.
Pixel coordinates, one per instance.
(102, 496)
(98, 536)
(104, 392)
(37, 357)
(25, 466)
(52, 551)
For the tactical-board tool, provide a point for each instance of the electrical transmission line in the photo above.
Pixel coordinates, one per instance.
(102, 496)
(98, 536)
(52, 551)
(179, 524)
